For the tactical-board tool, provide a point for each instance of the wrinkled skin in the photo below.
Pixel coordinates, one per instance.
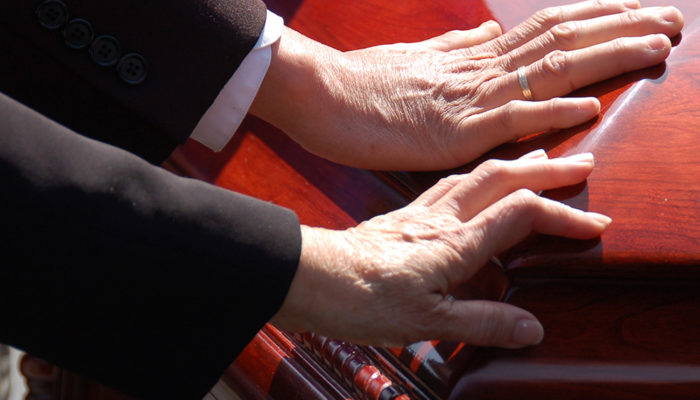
(438, 104)
(445, 101)
(386, 281)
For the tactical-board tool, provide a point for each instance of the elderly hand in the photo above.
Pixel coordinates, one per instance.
(445, 101)
(386, 281)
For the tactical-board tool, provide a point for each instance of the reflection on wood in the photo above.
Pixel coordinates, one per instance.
(647, 179)
(633, 186)
(619, 311)
(617, 339)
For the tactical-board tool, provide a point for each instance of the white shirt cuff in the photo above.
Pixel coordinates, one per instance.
(222, 119)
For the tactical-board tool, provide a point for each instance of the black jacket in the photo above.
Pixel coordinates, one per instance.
(113, 267)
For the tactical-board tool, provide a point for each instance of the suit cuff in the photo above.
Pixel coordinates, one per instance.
(222, 119)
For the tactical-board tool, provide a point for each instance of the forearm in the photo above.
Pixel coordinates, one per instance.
(122, 270)
(294, 89)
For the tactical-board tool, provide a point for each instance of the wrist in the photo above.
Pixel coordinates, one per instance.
(309, 288)
(293, 83)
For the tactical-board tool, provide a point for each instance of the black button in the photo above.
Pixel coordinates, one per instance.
(132, 68)
(105, 51)
(52, 14)
(77, 34)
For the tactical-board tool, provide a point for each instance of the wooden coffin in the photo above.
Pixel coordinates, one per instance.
(621, 313)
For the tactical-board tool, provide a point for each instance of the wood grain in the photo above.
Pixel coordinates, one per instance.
(620, 312)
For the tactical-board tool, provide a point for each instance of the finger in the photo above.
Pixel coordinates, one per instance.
(437, 191)
(461, 39)
(495, 179)
(444, 185)
(534, 155)
(561, 72)
(513, 218)
(545, 19)
(517, 119)
(574, 35)
(488, 323)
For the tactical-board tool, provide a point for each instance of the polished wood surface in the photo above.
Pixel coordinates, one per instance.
(620, 312)
(606, 339)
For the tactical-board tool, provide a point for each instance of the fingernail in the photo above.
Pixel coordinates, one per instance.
(528, 332)
(669, 14)
(658, 42)
(588, 106)
(586, 158)
(603, 219)
(539, 153)
(631, 4)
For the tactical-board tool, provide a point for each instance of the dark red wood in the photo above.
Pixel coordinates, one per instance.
(273, 366)
(620, 312)
(606, 339)
(647, 179)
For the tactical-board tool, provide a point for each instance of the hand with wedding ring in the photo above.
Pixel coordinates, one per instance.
(445, 101)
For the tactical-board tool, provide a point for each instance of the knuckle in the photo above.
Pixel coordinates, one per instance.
(557, 63)
(449, 181)
(548, 16)
(452, 35)
(619, 46)
(507, 117)
(525, 200)
(602, 4)
(557, 105)
(525, 195)
(444, 40)
(493, 170)
(452, 179)
(490, 327)
(631, 18)
(566, 34)
(490, 167)
(488, 83)
(425, 324)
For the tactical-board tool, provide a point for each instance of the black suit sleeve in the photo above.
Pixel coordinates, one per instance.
(117, 269)
(190, 47)
(148, 282)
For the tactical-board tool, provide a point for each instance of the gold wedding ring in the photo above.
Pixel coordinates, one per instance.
(524, 86)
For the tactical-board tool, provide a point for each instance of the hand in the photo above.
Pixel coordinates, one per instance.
(445, 101)
(386, 281)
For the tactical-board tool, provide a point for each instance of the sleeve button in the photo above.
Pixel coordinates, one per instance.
(52, 14)
(105, 51)
(77, 34)
(132, 69)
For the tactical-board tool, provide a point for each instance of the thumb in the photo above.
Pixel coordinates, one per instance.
(490, 323)
(453, 40)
